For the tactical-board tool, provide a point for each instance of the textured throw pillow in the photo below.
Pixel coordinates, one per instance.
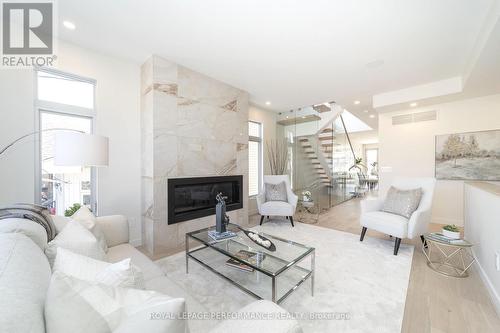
(276, 192)
(78, 306)
(402, 202)
(78, 239)
(86, 218)
(121, 274)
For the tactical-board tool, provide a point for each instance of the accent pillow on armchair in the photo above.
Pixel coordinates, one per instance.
(276, 192)
(402, 202)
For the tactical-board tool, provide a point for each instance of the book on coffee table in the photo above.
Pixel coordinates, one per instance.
(442, 238)
(244, 255)
(218, 236)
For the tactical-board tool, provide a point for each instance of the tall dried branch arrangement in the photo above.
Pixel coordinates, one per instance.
(277, 153)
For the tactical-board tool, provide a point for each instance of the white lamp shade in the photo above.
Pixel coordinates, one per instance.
(79, 149)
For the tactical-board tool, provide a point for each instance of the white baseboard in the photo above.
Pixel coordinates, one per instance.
(495, 298)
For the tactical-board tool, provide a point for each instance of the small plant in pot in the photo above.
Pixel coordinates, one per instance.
(72, 210)
(451, 231)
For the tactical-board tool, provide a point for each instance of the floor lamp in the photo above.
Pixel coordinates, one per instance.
(73, 149)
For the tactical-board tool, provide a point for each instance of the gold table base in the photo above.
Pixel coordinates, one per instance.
(450, 260)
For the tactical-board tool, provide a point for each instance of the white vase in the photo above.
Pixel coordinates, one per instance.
(451, 234)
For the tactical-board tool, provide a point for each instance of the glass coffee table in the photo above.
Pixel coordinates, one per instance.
(255, 270)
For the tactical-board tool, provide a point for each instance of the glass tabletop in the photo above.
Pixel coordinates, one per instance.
(245, 250)
(437, 238)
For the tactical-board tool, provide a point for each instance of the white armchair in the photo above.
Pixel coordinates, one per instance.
(277, 208)
(394, 225)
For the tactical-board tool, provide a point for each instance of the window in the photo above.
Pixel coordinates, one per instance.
(254, 157)
(371, 158)
(64, 102)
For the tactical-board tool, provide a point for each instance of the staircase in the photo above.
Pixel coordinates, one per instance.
(317, 159)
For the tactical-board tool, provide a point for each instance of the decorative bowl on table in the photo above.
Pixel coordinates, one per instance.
(260, 240)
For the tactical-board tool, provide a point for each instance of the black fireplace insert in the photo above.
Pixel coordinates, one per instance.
(194, 197)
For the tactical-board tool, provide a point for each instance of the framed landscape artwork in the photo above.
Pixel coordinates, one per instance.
(468, 156)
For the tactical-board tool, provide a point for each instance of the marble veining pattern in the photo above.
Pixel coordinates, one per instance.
(192, 125)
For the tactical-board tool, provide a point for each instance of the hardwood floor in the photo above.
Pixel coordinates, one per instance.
(434, 303)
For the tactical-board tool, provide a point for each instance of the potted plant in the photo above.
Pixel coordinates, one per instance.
(306, 196)
(451, 231)
(72, 210)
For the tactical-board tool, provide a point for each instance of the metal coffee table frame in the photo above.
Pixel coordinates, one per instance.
(459, 251)
(309, 273)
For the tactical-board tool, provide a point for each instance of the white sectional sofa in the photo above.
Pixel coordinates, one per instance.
(25, 276)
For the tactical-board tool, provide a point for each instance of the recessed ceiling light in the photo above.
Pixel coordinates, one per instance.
(304, 117)
(372, 116)
(69, 25)
(286, 117)
(268, 103)
(413, 104)
(357, 102)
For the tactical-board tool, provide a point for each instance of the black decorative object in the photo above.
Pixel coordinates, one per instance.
(221, 218)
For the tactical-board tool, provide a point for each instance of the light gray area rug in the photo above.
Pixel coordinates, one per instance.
(363, 279)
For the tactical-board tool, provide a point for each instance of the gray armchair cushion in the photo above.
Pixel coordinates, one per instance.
(276, 192)
(402, 202)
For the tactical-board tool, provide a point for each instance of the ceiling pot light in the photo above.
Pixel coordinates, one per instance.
(69, 25)
(413, 104)
(268, 103)
(357, 102)
(372, 116)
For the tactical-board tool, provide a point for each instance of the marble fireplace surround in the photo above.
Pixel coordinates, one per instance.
(191, 126)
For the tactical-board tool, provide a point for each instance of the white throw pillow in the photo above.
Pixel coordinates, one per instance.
(86, 218)
(75, 306)
(121, 274)
(60, 222)
(78, 239)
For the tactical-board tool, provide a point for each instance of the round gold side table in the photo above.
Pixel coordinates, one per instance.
(448, 258)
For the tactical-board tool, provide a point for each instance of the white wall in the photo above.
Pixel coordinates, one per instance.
(409, 149)
(17, 118)
(268, 120)
(482, 201)
(117, 100)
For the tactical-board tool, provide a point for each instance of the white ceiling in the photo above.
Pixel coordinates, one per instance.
(292, 53)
